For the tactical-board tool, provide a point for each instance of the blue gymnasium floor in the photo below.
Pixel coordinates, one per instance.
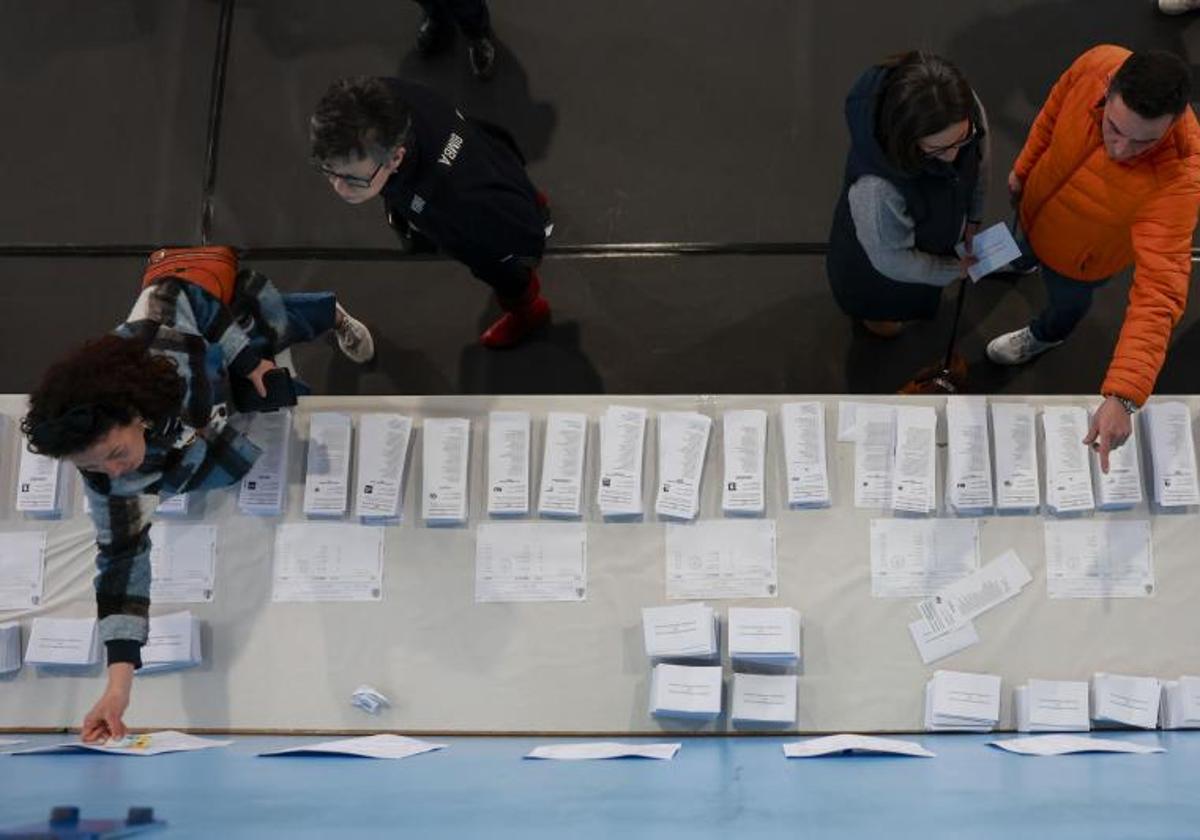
(715, 787)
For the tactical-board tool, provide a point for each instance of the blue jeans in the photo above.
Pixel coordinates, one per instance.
(1067, 299)
(302, 317)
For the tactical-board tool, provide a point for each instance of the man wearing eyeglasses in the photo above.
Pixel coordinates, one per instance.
(456, 183)
(1110, 175)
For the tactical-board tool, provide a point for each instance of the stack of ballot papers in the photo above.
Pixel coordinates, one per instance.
(764, 635)
(508, 437)
(10, 647)
(804, 453)
(914, 470)
(682, 444)
(686, 691)
(1172, 454)
(1125, 700)
(446, 453)
(1064, 744)
(1052, 706)
(39, 485)
(604, 750)
(176, 505)
(264, 487)
(968, 456)
(841, 744)
(1121, 487)
(956, 701)
(367, 746)
(63, 642)
(873, 431)
(688, 631)
(745, 439)
(383, 441)
(762, 698)
(562, 465)
(1068, 462)
(22, 569)
(622, 446)
(147, 744)
(1180, 703)
(173, 643)
(1015, 432)
(327, 474)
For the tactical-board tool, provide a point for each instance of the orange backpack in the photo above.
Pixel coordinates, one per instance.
(212, 267)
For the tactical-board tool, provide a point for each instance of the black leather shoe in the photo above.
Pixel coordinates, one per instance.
(433, 36)
(482, 53)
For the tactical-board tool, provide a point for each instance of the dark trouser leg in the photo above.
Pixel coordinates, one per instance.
(1067, 301)
(518, 291)
(509, 279)
(471, 16)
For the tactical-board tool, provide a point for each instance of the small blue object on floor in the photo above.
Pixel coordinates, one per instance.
(64, 824)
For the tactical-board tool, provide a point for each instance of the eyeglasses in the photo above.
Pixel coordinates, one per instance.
(355, 181)
(953, 147)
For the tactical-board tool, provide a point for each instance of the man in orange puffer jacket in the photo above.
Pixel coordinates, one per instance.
(1110, 174)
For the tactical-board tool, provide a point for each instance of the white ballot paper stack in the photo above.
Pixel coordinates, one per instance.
(148, 744)
(804, 453)
(874, 451)
(841, 744)
(508, 463)
(682, 442)
(1068, 463)
(993, 248)
(688, 631)
(622, 446)
(956, 701)
(917, 557)
(1015, 432)
(176, 505)
(764, 635)
(173, 643)
(969, 456)
(562, 465)
(22, 568)
(1044, 745)
(327, 562)
(1052, 706)
(327, 477)
(604, 750)
(1180, 703)
(745, 450)
(1099, 559)
(1172, 454)
(686, 691)
(759, 698)
(1132, 701)
(722, 558)
(183, 558)
(366, 746)
(1121, 487)
(531, 561)
(383, 441)
(445, 457)
(63, 642)
(264, 487)
(10, 647)
(39, 484)
(914, 471)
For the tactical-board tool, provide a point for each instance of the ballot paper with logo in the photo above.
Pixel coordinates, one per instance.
(1172, 454)
(914, 468)
(764, 635)
(10, 647)
(1125, 700)
(874, 455)
(686, 691)
(63, 642)
(804, 453)
(970, 596)
(1044, 745)
(264, 487)
(957, 701)
(327, 562)
(562, 465)
(917, 557)
(622, 446)
(22, 569)
(183, 560)
(722, 558)
(1052, 706)
(531, 561)
(1180, 707)
(173, 643)
(445, 454)
(968, 456)
(383, 441)
(367, 746)
(601, 750)
(327, 474)
(687, 631)
(682, 443)
(745, 452)
(146, 744)
(176, 505)
(1121, 487)
(1099, 559)
(763, 698)
(846, 743)
(508, 463)
(39, 484)
(1015, 432)
(1068, 463)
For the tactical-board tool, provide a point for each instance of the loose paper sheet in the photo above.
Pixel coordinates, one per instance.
(838, 744)
(328, 562)
(1063, 744)
(531, 561)
(917, 557)
(604, 750)
(1099, 559)
(22, 569)
(183, 559)
(367, 746)
(150, 743)
(717, 558)
(972, 595)
(934, 646)
(993, 248)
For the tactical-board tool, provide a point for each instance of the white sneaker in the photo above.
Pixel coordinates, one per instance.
(1017, 347)
(353, 338)
(1177, 7)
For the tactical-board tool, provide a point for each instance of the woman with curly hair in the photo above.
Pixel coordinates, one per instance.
(142, 412)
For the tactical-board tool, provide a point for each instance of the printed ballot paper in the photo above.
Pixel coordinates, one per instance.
(148, 744)
(10, 647)
(914, 467)
(446, 453)
(327, 474)
(604, 750)
(761, 698)
(531, 561)
(682, 443)
(1015, 433)
(562, 465)
(843, 744)
(264, 487)
(1068, 465)
(22, 567)
(993, 248)
(176, 505)
(1132, 701)
(1044, 745)
(1051, 706)
(972, 595)
(183, 559)
(745, 452)
(722, 558)
(917, 557)
(874, 452)
(804, 452)
(934, 646)
(622, 446)
(1099, 559)
(686, 691)
(688, 631)
(1121, 487)
(383, 441)
(39, 484)
(173, 643)
(508, 463)
(1172, 454)
(1180, 707)
(327, 562)
(63, 642)
(968, 456)
(956, 701)
(764, 635)
(366, 746)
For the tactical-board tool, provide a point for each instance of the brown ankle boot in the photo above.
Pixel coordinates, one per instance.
(884, 329)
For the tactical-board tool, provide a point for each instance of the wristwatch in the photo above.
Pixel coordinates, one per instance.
(1129, 405)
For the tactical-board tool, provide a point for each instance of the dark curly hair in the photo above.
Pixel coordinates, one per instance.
(106, 382)
(358, 117)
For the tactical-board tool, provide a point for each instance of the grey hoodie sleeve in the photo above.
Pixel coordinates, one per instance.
(887, 234)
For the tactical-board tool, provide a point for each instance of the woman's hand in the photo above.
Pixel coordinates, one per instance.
(256, 376)
(967, 260)
(104, 721)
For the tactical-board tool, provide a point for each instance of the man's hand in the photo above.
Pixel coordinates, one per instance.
(104, 720)
(256, 376)
(1014, 189)
(1111, 427)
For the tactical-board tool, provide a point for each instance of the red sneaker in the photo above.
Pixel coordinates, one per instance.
(521, 316)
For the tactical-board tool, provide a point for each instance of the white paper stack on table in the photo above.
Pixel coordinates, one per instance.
(1181, 703)
(721, 558)
(993, 248)
(914, 474)
(39, 485)
(445, 457)
(804, 452)
(845, 743)
(22, 569)
(10, 647)
(604, 750)
(1063, 744)
(176, 505)
(383, 441)
(956, 701)
(1099, 559)
(763, 698)
(688, 631)
(1126, 700)
(264, 487)
(745, 452)
(63, 642)
(173, 643)
(562, 465)
(1068, 463)
(508, 463)
(917, 557)
(622, 446)
(327, 562)
(874, 431)
(1015, 431)
(1052, 706)
(366, 746)
(764, 635)
(686, 691)
(327, 477)
(183, 557)
(147, 744)
(682, 444)
(1121, 487)
(531, 561)
(1172, 454)
(969, 456)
